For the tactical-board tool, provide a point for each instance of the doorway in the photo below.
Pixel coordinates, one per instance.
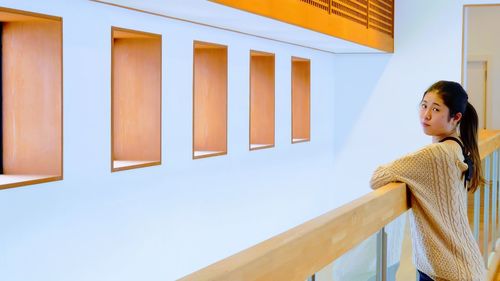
(481, 62)
(477, 77)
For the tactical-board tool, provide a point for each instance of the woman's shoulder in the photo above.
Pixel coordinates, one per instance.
(450, 147)
(432, 151)
(429, 149)
(445, 146)
(445, 151)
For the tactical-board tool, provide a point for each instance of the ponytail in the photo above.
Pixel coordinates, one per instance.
(468, 134)
(456, 99)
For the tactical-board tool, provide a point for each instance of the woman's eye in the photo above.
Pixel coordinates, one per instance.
(424, 106)
(435, 109)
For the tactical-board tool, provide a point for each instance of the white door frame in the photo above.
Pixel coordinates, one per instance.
(486, 59)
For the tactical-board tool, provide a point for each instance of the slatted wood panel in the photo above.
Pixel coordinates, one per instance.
(366, 22)
(321, 4)
(374, 14)
(351, 10)
(381, 16)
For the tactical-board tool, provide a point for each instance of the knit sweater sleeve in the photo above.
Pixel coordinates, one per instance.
(411, 169)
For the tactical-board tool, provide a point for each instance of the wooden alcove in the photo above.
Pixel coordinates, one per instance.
(31, 98)
(209, 100)
(136, 99)
(262, 105)
(301, 100)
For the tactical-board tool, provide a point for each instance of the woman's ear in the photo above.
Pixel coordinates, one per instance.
(457, 117)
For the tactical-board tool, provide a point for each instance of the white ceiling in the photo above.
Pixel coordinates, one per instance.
(209, 13)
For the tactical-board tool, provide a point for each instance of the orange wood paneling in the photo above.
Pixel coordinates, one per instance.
(301, 104)
(32, 97)
(261, 98)
(11, 15)
(136, 96)
(210, 98)
(326, 17)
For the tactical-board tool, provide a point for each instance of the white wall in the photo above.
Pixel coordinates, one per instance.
(163, 222)
(160, 223)
(377, 96)
(484, 42)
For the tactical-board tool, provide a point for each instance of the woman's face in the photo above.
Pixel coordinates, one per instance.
(435, 116)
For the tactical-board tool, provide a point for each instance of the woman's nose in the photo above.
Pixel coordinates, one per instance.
(427, 115)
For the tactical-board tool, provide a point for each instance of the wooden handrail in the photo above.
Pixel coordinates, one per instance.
(305, 249)
(301, 251)
(489, 141)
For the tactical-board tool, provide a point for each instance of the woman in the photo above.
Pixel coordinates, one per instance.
(439, 176)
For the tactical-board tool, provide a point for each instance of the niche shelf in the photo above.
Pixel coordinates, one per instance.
(261, 100)
(136, 99)
(31, 98)
(209, 99)
(301, 100)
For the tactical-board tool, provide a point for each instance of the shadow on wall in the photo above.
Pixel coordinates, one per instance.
(356, 78)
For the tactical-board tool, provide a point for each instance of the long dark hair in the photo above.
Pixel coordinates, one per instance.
(456, 99)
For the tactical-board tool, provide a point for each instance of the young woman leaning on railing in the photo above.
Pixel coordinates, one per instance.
(442, 240)
(439, 177)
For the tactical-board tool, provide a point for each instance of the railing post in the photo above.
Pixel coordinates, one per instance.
(312, 278)
(497, 184)
(486, 209)
(494, 198)
(477, 205)
(381, 271)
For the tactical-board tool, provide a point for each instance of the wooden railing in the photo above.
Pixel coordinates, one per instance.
(300, 252)
(489, 141)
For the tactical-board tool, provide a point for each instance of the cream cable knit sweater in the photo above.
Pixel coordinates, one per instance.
(443, 244)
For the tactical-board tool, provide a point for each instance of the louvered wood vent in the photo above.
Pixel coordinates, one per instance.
(366, 22)
(374, 14)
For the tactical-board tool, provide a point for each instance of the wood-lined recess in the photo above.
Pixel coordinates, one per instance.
(136, 99)
(366, 22)
(209, 100)
(31, 98)
(261, 100)
(301, 100)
